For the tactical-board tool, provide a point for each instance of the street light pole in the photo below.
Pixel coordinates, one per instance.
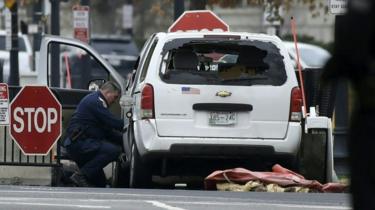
(55, 48)
(14, 71)
(37, 14)
(85, 60)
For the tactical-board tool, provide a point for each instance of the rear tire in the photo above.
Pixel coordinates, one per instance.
(140, 176)
(120, 175)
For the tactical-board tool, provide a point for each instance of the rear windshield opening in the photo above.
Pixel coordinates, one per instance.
(213, 62)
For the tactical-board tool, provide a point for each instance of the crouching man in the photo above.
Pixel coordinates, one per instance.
(94, 137)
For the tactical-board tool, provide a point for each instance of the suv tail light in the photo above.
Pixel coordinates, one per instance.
(147, 102)
(296, 105)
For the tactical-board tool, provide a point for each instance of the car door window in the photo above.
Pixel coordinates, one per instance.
(76, 67)
(120, 52)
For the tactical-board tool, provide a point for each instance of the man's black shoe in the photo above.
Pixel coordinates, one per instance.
(80, 180)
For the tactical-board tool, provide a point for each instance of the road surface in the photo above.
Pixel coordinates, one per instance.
(40, 198)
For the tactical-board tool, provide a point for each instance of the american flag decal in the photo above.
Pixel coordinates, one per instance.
(189, 90)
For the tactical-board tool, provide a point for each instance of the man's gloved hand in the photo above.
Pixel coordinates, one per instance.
(123, 161)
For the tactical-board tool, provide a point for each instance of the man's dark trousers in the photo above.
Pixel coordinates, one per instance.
(91, 156)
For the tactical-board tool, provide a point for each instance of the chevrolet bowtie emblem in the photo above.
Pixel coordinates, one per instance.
(223, 93)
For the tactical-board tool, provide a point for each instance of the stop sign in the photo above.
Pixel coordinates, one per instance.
(200, 20)
(35, 120)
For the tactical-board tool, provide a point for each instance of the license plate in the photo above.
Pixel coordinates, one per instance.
(222, 118)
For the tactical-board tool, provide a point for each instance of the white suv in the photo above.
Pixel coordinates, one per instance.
(193, 111)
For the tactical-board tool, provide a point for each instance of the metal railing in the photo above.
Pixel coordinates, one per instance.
(10, 154)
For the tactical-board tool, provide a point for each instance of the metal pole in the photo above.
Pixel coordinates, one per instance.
(85, 60)
(179, 8)
(37, 13)
(1, 70)
(14, 78)
(55, 48)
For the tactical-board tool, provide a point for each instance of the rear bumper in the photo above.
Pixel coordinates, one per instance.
(149, 143)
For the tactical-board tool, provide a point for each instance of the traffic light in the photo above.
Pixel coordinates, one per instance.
(10, 3)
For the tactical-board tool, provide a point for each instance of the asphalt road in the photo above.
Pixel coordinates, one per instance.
(40, 198)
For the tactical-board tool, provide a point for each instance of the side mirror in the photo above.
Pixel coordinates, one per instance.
(129, 79)
(95, 84)
(126, 101)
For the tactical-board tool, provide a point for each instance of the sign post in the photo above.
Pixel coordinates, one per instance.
(35, 120)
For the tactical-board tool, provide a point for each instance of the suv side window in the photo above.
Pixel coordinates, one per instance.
(143, 55)
(139, 62)
(147, 61)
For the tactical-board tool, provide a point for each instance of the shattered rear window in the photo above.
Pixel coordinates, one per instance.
(222, 62)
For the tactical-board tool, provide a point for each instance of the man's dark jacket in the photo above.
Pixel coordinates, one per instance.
(92, 116)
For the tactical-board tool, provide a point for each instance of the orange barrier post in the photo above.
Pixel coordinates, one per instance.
(68, 79)
(293, 25)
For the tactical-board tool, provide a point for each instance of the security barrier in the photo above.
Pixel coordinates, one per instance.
(10, 154)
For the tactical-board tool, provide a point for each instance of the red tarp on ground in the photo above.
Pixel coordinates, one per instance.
(279, 175)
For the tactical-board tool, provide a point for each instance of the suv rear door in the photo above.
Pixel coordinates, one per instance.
(228, 89)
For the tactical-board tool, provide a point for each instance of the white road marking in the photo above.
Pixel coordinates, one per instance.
(55, 205)
(22, 200)
(234, 201)
(163, 205)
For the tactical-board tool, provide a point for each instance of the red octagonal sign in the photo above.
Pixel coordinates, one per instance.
(35, 120)
(198, 20)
